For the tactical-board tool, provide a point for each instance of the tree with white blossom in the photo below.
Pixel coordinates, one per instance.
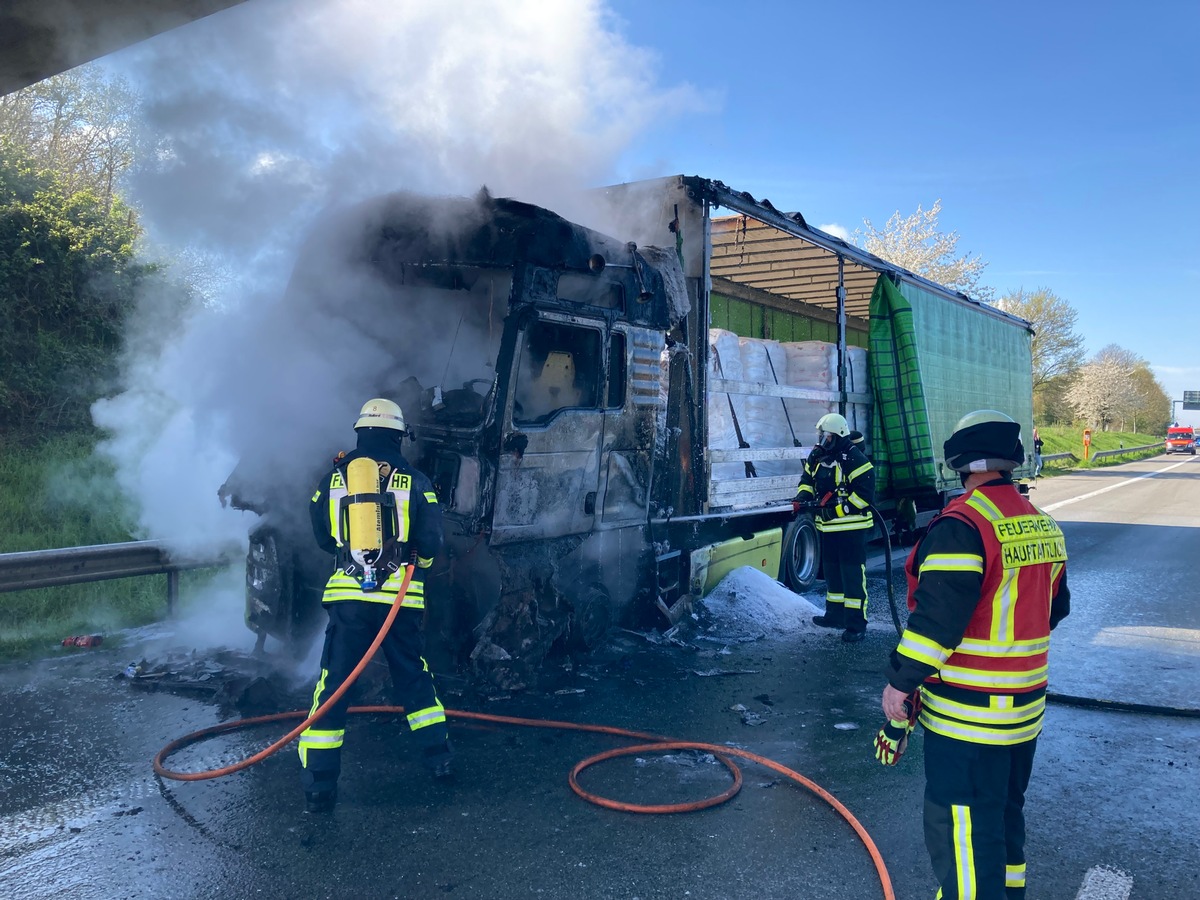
(915, 243)
(1105, 390)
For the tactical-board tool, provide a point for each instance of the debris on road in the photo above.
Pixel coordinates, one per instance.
(231, 678)
(83, 640)
(748, 717)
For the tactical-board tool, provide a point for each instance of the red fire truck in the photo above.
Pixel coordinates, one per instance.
(1181, 439)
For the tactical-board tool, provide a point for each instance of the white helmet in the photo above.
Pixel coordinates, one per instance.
(985, 440)
(832, 423)
(380, 413)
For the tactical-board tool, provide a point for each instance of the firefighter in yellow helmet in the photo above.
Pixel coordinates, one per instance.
(374, 512)
(986, 585)
(840, 480)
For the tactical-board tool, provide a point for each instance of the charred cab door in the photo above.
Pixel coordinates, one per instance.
(549, 468)
(631, 402)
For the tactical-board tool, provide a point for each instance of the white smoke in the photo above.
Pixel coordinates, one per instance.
(263, 117)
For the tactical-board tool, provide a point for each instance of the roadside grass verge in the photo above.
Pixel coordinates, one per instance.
(34, 623)
(53, 494)
(1070, 440)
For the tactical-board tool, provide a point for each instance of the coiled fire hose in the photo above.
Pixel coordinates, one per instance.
(651, 743)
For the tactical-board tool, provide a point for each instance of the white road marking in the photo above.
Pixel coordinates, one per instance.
(1105, 883)
(1112, 487)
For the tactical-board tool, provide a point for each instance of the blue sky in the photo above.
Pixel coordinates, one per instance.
(1062, 138)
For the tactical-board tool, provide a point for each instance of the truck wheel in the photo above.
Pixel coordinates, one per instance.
(276, 595)
(590, 617)
(801, 554)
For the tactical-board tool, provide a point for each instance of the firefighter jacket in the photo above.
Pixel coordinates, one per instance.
(412, 522)
(987, 584)
(842, 480)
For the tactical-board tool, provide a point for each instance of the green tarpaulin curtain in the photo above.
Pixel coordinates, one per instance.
(901, 446)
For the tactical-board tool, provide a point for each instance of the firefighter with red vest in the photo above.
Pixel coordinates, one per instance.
(840, 481)
(986, 585)
(405, 523)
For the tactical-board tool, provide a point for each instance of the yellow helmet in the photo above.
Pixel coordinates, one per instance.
(380, 413)
(832, 423)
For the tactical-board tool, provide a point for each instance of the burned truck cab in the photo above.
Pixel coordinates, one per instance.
(536, 409)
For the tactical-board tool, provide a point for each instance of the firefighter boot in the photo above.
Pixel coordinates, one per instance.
(834, 617)
(320, 801)
(438, 759)
(856, 626)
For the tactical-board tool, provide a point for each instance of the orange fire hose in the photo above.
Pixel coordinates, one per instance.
(656, 744)
(160, 769)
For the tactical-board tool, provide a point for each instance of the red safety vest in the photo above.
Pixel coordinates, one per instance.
(1006, 645)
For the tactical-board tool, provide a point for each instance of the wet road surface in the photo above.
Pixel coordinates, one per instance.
(82, 815)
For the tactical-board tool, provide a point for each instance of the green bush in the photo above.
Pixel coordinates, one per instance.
(68, 281)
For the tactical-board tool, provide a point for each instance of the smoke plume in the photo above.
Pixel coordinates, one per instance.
(261, 122)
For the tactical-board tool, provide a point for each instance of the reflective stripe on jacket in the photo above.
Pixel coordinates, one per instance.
(341, 586)
(990, 686)
(849, 477)
(412, 525)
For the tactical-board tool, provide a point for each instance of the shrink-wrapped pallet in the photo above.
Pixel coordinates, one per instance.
(766, 426)
(724, 361)
(858, 415)
(811, 365)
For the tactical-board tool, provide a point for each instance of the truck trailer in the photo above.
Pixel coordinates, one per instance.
(622, 420)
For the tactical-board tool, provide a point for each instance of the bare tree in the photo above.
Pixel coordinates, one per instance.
(80, 124)
(1152, 413)
(915, 243)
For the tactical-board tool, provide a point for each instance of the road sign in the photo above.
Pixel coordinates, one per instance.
(1191, 399)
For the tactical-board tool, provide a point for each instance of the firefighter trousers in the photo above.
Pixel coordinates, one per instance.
(353, 625)
(975, 816)
(844, 558)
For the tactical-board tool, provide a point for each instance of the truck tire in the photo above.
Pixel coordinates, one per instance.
(591, 616)
(801, 554)
(282, 592)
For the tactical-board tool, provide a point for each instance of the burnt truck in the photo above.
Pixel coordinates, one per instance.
(621, 421)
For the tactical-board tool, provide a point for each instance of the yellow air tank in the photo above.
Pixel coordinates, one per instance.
(365, 518)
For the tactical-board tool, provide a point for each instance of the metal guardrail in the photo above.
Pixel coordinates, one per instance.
(100, 562)
(1100, 454)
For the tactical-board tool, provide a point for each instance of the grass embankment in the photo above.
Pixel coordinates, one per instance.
(1070, 440)
(56, 494)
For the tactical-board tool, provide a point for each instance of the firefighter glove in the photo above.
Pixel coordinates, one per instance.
(891, 742)
(796, 507)
(892, 739)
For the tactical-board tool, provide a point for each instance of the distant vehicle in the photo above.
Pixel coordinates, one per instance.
(1181, 439)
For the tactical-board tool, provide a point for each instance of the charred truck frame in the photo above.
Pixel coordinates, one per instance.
(578, 468)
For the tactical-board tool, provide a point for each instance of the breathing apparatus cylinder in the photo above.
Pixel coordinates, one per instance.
(365, 518)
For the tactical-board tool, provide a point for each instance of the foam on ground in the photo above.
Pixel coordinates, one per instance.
(748, 604)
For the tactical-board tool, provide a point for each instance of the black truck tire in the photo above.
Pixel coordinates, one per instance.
(291, 585)
(591, 616)
(801, 554)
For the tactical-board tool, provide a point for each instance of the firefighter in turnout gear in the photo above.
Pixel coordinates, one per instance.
(986, 585)
(375, 513)
(839, 481)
